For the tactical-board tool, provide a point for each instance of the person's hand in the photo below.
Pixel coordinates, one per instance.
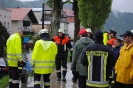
(113, 46)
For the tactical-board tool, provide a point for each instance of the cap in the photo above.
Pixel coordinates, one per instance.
(113, 32)
(61, 30)
(43, 31)
(82, 31)
(88, 30)
(127, 33)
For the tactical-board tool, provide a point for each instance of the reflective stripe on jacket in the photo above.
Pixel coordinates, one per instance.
(43, 56)
(124, 65)
(14, 50)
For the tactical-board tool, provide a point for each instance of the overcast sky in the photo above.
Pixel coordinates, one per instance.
(120, 5)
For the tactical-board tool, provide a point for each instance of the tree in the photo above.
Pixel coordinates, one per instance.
(93, 13)
(56, 15)
(76, 20)
(4, 35)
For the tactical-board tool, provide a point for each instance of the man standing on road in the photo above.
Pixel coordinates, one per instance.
(14, 58)
(124, 64)
(82, 43)
(43, 58)
(63, 43)
(99, 60)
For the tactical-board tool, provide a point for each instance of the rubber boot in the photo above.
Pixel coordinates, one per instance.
(64, 76)
(59, 76)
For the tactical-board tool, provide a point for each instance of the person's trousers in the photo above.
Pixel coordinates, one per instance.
(121, 85)
(37, 79)
(96, 87)
(13, 77)
(59, 62)
(82, 82)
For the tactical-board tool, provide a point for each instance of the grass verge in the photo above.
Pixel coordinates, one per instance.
(4, 81)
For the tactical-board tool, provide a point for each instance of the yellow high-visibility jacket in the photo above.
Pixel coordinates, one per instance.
(14, 50)
(43, 56)
(124, 65)
(105, 38)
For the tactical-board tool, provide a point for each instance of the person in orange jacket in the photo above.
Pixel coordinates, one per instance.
(112, 36)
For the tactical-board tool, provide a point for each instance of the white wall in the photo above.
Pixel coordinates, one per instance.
(5, 18)
(71, 30)
(64, 26)
(18, 25)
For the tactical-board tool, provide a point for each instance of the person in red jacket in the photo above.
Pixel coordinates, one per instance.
(63, 43)
(112, 36)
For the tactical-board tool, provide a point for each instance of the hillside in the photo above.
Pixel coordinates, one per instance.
(119, 21)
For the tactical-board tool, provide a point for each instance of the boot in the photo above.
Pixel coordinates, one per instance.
(64, 76)
(59, 76)
(64, 79)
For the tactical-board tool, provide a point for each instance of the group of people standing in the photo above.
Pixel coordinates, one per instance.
(96, 57)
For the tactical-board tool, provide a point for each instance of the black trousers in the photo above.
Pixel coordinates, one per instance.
(121, 85)
(82, 82)
(97, 87)
(13, 77)
(63, 62)
(37, 78)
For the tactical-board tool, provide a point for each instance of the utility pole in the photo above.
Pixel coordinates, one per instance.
(43, 14)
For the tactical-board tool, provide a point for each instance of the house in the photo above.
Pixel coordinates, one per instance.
(70, 20)
(22, 19)
(47, 19)
(5, 19)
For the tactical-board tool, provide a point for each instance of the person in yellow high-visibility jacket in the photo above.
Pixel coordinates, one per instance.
(14, 55)
(43, 58)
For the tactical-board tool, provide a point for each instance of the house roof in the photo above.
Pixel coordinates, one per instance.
(68, 11)
(20, 13)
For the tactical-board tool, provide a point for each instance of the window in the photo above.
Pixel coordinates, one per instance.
(8, 25)
(0, 15)
(5, 16)
(5, 24)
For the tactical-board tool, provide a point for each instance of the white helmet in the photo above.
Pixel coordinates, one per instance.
(132, 31)
(61, 30)
(42, 31)
(88, 30)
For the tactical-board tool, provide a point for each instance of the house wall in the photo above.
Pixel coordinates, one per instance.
(18, 25)
(70, 19)
(71, 30)
(64, 25)
(5, 18)
(37, 28)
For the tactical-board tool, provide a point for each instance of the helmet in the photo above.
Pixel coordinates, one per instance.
(88, 30)
(61, 30)
(42, 31)
(132, 31)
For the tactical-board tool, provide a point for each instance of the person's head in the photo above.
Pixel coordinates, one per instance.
(44, 34)
(98, 36)
(117, 42)
(89, 32)
(128, 37)
(20, 32)
(60, 32)
(112, 33)
(83, 33)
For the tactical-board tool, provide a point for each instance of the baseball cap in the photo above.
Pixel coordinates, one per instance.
(127, 33)
(113, 32)
(82, 31)
(88, 30)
